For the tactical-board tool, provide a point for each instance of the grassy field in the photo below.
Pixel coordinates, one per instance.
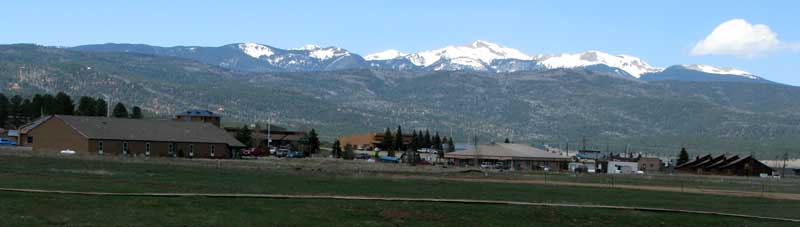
(20, 209)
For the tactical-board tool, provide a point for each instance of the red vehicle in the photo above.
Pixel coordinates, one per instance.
(252, 152)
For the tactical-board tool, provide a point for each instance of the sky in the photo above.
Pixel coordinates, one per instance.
(761, 37)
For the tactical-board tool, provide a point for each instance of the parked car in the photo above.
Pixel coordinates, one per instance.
(282, 153)
(7, 142)
(252, 152)
(363, 156)
(295, 154)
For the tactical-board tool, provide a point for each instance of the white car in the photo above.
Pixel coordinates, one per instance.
(67, 152)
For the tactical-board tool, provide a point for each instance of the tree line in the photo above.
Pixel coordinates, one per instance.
(17, 111)
(393, 142)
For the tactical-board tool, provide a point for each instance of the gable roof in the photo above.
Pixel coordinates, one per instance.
(24, 129)
(148, 130)
(507, 151)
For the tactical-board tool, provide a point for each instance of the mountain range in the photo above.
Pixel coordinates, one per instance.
(555, 100)
(477, 56)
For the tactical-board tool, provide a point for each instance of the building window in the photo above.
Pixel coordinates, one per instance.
(147, 149)
(191, 150)
(212, 148)
(172, 149)
(30, 139)
(124, 148)
(100, 147)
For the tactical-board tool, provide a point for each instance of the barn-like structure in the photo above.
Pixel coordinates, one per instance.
(725, 165)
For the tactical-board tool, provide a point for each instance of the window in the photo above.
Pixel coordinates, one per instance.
(124, 148)
(100, 147)
(147, 149)
(211, 147)
(172, 149)
(30, 139)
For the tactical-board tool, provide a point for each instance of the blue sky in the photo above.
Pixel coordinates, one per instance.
(662, 33)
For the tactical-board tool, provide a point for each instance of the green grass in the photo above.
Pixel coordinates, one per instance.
(19, 209)
(86, 175)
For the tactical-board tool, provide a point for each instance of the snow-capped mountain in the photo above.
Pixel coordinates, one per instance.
(720, 71)
(632, 65)
(477, 56)
(384, 55)
(249, 56)
(703, 73)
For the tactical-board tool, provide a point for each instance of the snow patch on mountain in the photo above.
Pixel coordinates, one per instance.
(384, 55)
(479, 50)
(720, 70)
(632, 65)
(256, 50)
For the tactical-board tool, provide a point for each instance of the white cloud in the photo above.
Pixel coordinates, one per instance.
(739, 38)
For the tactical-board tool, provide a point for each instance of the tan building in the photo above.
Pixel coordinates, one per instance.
(199, 116)
(23, 133)
(121, 136)
(649, 164)
(367, 141)
(509, 156)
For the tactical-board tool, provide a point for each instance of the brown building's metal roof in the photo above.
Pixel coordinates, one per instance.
(507, 151)
(24, 129)
(148, 130)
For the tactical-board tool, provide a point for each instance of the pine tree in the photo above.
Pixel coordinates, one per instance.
(100, 108)
(437, 142)
(398, 139)
(414, 145)
(49, 104)
(348, 152)
(336, 150)
(86, 106)
(5, 106)
(136, 112)
(313, 141)
(386, 142)
(16, 111)
(243, 135)
(451, 147)
(37, 106)
(120, 111)
(64, 104)
(683, 157)
(427, 142)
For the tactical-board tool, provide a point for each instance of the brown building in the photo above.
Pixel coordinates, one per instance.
(511, 156)
(725, 165)
(199, 116)
(280, 136)
(649, 164)
(367, 141)
(121, 136)
(23, 132)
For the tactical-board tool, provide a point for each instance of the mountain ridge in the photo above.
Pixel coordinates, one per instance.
(482, 56)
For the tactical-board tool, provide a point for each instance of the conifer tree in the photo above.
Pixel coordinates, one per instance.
(386, 142)
(120, 111)
(398, 139)
(64, 104)
(5, 106)
(683, 157)
(136, 112)
(336, 150)
(100, 108)
(86, 106)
